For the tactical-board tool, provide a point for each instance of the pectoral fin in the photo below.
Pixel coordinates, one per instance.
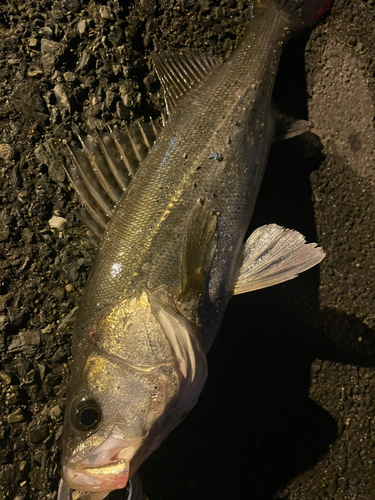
(272, 255)
(199, 248)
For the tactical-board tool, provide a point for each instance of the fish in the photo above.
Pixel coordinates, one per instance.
(170, 219)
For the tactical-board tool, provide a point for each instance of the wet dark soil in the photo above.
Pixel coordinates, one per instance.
(289, 408)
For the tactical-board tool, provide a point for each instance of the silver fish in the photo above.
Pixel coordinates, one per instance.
(172, 254)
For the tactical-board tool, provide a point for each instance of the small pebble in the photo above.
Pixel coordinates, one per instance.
(6, 151)
(106, 12)
(57, 222)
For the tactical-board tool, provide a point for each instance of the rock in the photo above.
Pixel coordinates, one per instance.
(6, 151)
(19, 444)
(42, 370)
(26, 99)
(69, 76)
(4, 233)
(56, 171)
(13, 395)
(59, 293)
(34, 72)
(33, 42)
(39, 433)
(7, 474)
(21, 496)
(22, 366)
(16, 316)
(59, 354)
(49, 154)
(5, 300)
(81, 26)
(115, 35)
(84, 61)
(109, 97)
(25, 341)
(105, 12)
(50, 381)
(71, 5)
(60, 390)
(57, 222)
(28, 236)
(30, 377)
(51, 51)
(62, 97)
(29, 94)
(16, 417)
(41, 154)
(57, 15)
(48, 47)
(47, 329)
(5, 378)
(56, 412)
(4, 322)
(46, 31)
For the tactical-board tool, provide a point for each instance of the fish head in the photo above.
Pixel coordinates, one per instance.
(128, 391)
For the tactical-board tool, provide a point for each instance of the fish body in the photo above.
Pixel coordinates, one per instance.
(171, 257)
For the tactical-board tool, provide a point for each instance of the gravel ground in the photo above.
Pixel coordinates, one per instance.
(288, 410)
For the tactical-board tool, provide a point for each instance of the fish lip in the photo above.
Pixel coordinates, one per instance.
(106, 477)
(106, 467)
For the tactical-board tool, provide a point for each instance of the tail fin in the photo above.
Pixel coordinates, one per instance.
(303, 13)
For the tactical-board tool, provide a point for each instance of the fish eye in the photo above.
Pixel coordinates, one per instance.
(87, 415)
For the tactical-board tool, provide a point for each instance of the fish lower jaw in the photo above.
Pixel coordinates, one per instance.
(103, 478)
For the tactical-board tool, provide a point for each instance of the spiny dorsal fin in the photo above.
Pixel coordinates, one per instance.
(103, 168)
(198, 249)
(272, 255)
(178, 73)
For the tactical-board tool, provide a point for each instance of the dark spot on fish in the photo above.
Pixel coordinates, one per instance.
(195, 184)
(354, 142)
(198, 168)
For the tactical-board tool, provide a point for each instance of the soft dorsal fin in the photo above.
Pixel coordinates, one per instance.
(178, 73)
(103, 168)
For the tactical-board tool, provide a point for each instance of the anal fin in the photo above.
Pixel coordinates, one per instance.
(272, 255)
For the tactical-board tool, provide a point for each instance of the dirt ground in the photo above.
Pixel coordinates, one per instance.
(288, 411)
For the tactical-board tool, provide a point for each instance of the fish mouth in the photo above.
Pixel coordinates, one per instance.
(109, 477)
(106, 468)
